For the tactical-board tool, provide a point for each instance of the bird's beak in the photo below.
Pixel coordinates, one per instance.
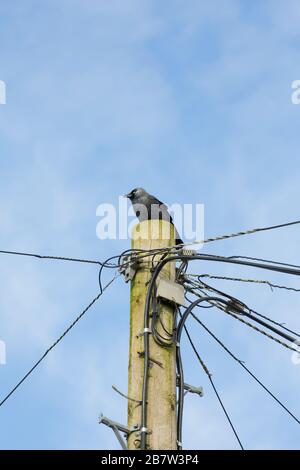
(128, 195)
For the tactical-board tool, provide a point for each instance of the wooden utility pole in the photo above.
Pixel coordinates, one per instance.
(161, 396)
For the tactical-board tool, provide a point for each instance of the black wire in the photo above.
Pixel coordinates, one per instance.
(180, 401)
(226, 414)
(179, 361)
(265, 261)
(249, 281)
(59, 258)
(56, 342)
(186, 258)
(106, 264)
(275, 323)
(192, 291)
(156, 317)
(210, 288)
(239, 310)
(181, 381)
(252, 317)
(202, 306)
(244, 367)
(159, 267)
(238, 234)
(230, 260)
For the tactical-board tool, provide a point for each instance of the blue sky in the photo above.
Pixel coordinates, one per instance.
(191, 100)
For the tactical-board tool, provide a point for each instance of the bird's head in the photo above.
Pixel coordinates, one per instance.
(135, 193)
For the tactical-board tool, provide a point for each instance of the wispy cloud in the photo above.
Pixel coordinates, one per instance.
(190, 100)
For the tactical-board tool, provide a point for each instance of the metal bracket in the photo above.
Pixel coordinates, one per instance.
(128, 267)
(139, 402)
(171, 291)
(192, 389)
(151, 360)
(117, 429)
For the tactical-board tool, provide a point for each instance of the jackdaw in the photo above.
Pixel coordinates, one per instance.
(148, 207)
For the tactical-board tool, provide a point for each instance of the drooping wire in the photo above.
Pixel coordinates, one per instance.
(244, 367)
(237, 279)
(199, 287)
(241, 233)
(190, 301)
(173, 258)
(251, 258)
(267, 335)
(243, 310)
(58, 258)
(194, 292)
(56, 342)
(159, 338)
(188, 259)
(175, 247)
(240, 319)
(180, 401)
(119, 261)
(282, 325)
(108, 265)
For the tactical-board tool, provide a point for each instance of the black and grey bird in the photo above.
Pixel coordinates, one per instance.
(148, 207)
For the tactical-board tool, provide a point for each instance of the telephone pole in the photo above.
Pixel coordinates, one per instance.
(161, 390)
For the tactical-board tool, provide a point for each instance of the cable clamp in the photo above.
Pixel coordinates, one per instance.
(236, 306)
(143, 430)
(145, 330)
(187, 252)
(129, 266)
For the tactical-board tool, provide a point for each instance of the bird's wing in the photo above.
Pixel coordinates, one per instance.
(162, 207)
(154, 200)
